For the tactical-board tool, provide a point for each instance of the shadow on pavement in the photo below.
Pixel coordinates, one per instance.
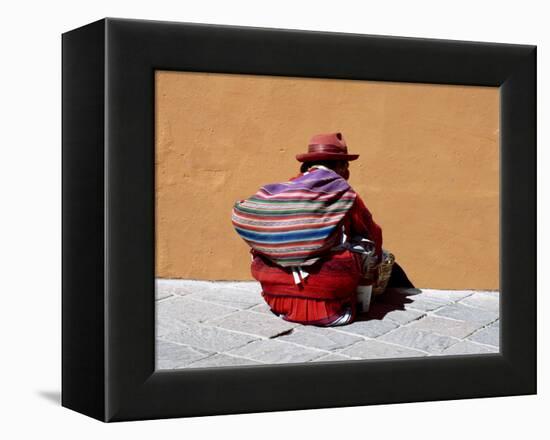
(394, 298)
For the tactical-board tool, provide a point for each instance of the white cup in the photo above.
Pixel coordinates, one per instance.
(364, 294)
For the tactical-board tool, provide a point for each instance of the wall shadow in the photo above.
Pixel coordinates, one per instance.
(398, 278)
(52, 396)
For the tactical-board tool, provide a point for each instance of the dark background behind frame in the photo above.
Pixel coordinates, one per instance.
(131, 51)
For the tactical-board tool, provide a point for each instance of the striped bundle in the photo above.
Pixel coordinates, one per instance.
(294, 223)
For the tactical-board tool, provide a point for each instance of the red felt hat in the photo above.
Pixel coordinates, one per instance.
(330, 146)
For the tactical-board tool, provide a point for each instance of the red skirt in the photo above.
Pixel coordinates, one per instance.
(325, 295)
(311, 311)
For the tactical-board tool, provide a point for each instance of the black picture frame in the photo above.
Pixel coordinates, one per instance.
(108, 219)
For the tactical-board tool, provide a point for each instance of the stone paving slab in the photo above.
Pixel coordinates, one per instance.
(262, 308)
(321, 338)
(176, 309)
(382, 311)
(466, 313)
(205, 324)
(368, 328)
(494, 293)
(250, 286)
(445, 295)
(208, 338)
(254, 323)
(489, 335)
(446, 327)
(467, 347)
(171, 355)
(333, 357)
(423, 300)
(424, 305)
(482, 301)
(375, 349)
(222, 360)
(162, 294)
(232, 297)
(167, 287)
(437, 296)
(419, 339)
(277, 352)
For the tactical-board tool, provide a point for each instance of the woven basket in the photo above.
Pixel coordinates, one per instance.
(384, 272)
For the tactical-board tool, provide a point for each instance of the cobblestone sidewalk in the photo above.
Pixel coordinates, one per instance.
(214, 324)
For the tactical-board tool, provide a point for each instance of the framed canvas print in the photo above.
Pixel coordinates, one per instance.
(265, 219)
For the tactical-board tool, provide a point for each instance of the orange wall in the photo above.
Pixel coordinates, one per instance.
(428, 171)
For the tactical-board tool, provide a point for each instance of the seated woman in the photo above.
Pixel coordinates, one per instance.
(316, 249)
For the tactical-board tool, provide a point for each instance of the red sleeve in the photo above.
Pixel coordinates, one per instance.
(363, 224)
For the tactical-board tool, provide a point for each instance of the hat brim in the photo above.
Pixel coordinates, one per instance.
(309, 157)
